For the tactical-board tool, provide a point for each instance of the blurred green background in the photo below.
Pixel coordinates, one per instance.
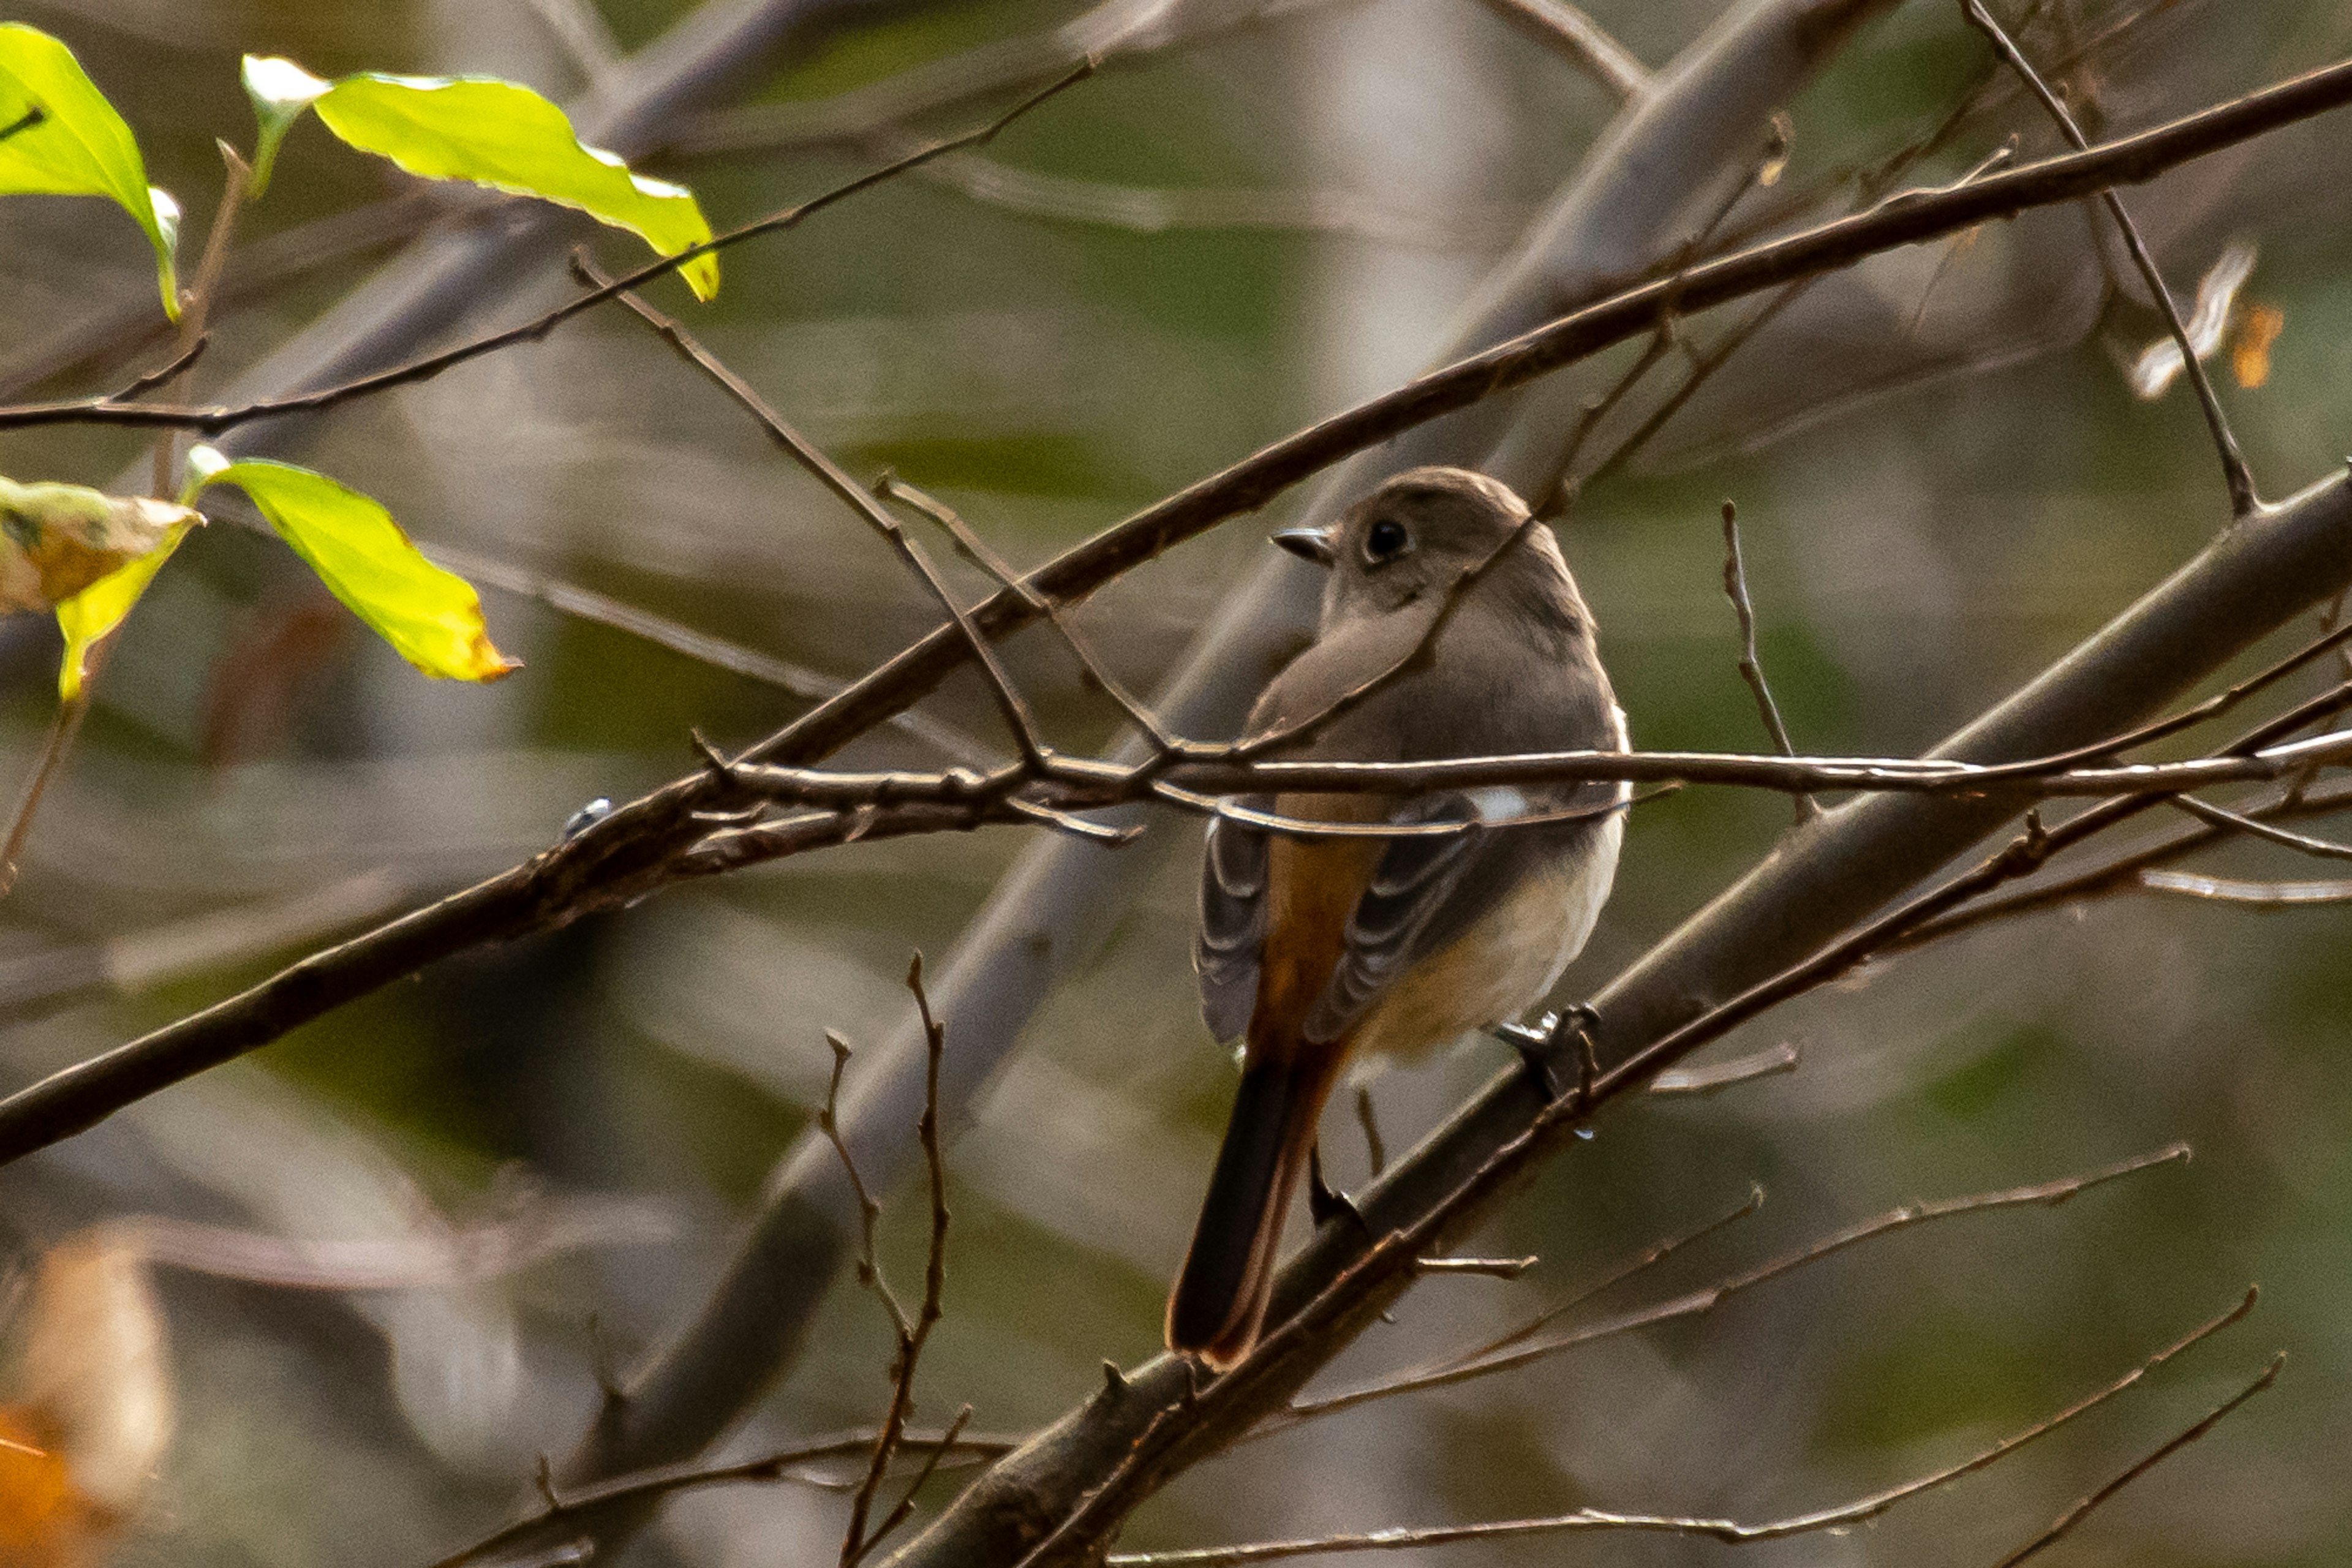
(1049, 340)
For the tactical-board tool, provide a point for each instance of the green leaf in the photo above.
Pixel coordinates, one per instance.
(431, 618)
(484, 130)
(80, 147)
(89, 616)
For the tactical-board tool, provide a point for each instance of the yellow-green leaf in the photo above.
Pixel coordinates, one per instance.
(89, 616)
(488, 133)
(57, 540)
(431, 618)
(80, 147)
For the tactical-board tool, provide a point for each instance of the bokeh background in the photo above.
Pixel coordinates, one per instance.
(1945, 481)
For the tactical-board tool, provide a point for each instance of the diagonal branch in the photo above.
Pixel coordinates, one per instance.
(852, 494)
(1840, 1517)
(2239, 477)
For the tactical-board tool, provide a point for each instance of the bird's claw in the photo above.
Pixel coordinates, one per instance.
(1324, 1202)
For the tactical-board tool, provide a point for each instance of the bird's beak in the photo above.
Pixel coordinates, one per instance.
(1307, 543)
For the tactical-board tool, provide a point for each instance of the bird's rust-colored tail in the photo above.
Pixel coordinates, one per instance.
(1221, 1295)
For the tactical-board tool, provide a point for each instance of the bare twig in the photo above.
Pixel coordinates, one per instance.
(2326, 849)
(1842, 1516)
(1770, 1062)
(2234, 471)
(976, 549)
(582, 30)
(1515, 1350)
(196, 305)
(1490, 1267)
(213, 421)
(1751, 668)
(2251, 895)
(856, 1542)
(829, 474)
(1145, 209)
(1376, 1149)
(191, 349)
(2075, 1515)
(1903, 219)
(1579, 38)
(601, 609)
(584, 1506)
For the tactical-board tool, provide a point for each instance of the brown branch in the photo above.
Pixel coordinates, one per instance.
(2251, 895)
(1512, 1351)
(1842, 1516)
(1584, 41)
(2326, 849)
(976, 549)
(856, 1542)
(2239, 477)
(213, 420)
(829, 474)
(1770, 1062)
(1903, 219)
(752, 664)
(1751, 668)
(1077, 784)
(2073, 1516)
(589, 1505)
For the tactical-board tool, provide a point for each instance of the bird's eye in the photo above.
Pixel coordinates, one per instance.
(1386, 540)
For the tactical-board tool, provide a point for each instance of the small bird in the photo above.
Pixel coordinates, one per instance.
(1450, 628)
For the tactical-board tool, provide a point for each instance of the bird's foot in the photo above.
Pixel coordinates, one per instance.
(1539, 1048)
(1324, 1202)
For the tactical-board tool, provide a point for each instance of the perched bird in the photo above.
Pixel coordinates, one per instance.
(1450, 628)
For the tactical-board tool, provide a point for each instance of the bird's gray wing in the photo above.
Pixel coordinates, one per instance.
(1426, 891)
(1233, 920)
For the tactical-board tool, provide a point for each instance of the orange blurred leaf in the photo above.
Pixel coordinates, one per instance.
(2249, 354)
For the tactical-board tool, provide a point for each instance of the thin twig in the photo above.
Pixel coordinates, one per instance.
(2073, 1516)
(786, 1465)
(976, 549)
(195, 305)
(1514, 1350)
(1842, 1516)
(191, 348)
(2234, 471)
(601, 609)
(1751, 668)
(1376, 1149)
(64, 725)
(1489, 1267)
(2326, 849)
(1770, 1062)
(213, 421)
(829, 474)
(1583, 40)
(24, 121)
(856, 1542)
(1561, 484)
(2248, 895)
